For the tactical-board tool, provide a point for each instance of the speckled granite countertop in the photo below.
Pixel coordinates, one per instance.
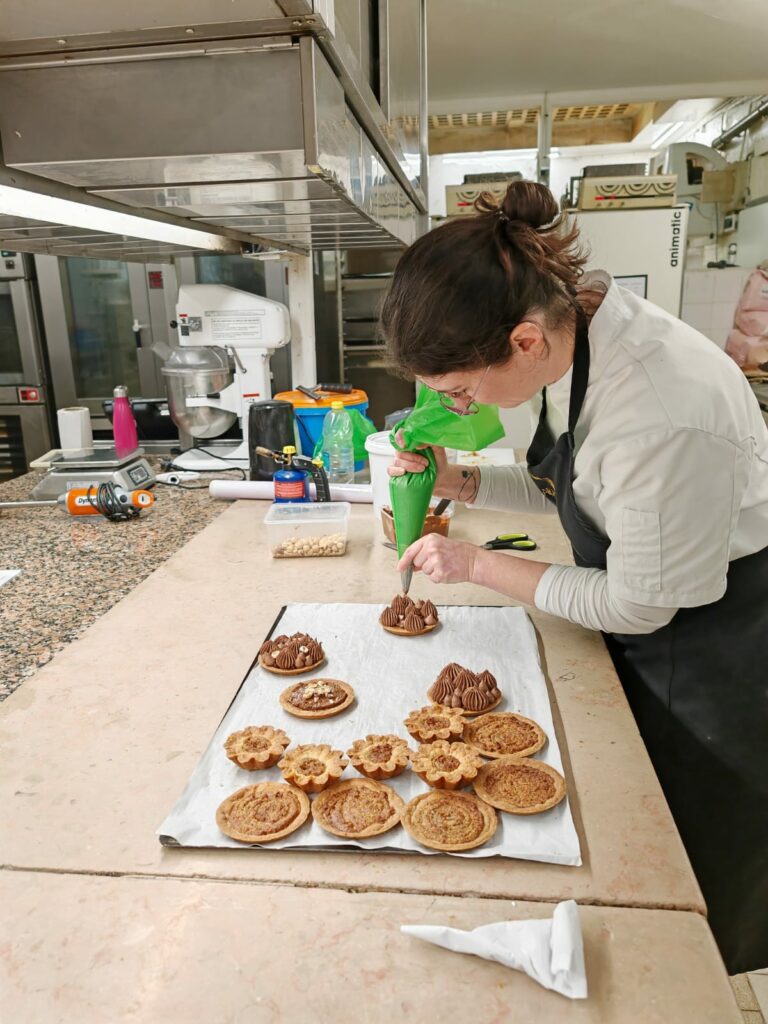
(75, 569)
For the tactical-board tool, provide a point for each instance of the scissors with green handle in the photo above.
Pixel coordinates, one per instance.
(511, 542)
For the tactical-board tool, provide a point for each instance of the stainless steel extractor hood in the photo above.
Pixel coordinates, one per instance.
(266, 130)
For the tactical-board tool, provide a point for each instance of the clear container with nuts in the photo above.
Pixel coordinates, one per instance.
(308, 530)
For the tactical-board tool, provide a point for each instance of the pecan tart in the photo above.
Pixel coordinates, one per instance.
(458, 687)
(445, 765)
(290, 655)
(257, 746)
(357, 809)
(312, 766)
(262, 813)
(504, 733)
(317, 698)
(435, 722)
(449, 820)
(405, 617)
(380, 757)
(519, 785)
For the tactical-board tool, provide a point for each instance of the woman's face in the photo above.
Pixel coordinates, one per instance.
(534, 362)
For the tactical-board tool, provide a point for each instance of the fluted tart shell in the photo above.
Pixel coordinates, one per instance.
(519, 785)
(435, 722)
(504, 734)
(263, 812)
(445, 765)
(449, 820)
(380, 757)
(317, 698)
(256, 746)
(311, 767)
(357, 809)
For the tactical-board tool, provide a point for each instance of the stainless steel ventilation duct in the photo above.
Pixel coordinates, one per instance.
(266, 130)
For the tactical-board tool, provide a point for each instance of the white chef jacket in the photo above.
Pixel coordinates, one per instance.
(671, 465)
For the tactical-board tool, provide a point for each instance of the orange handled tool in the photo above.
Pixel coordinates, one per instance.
(104, 499)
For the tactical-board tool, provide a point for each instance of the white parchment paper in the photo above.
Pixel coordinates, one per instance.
(390, 676)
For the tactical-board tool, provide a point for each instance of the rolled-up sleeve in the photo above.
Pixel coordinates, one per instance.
(509, 489)
(670, 502)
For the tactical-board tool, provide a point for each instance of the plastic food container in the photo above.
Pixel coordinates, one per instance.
(432, 524)
(308, 530)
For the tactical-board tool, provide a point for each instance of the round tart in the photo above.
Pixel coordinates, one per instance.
(257, 746)
(436, 722)
(357, 809)
(291, 655)
(504, 734)
(312, 766)
(263, 813)
(317, 698)
(520, 785)
(445, 765)
(380, 757)
(405, 617)
(459, 687)
(449, 821)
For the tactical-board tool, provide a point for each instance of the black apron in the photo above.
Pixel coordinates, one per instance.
(698, 688)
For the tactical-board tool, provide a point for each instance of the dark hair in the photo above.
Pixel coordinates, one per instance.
(459, 289)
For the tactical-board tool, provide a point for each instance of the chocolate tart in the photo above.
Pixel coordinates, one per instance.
(299, 647)
(519, 785)
(405, 617)
(449, 821)
(380, 757)
(317, 698)
(357, 809)
(504, 734)
(263, 812)
(445, 765)
(475, 693)
(397, 631)
(257, 746)
(312, 767)
(435, 722)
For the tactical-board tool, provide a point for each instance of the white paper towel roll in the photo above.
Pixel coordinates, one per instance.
(75, 429)
(264, 490)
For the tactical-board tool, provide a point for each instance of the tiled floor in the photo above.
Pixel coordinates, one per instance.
(751, 991)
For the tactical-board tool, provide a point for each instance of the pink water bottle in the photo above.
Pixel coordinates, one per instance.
(123, 423)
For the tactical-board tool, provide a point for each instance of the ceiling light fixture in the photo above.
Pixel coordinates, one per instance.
(19, 202)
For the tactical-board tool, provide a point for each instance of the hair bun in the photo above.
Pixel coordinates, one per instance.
(529, 202)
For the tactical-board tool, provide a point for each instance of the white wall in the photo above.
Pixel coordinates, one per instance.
(751, 236)
(710, 298)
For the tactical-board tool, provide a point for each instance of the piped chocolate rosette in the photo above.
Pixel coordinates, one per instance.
(406, 617)
(458, 687)
(290, 655)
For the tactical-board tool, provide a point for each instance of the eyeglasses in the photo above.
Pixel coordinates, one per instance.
(471, 408)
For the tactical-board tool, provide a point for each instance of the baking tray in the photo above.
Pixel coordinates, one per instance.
(390, 676)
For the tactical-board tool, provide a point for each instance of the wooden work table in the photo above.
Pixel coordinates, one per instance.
(98, 745)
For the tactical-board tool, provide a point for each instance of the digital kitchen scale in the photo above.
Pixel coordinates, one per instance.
(101, 466)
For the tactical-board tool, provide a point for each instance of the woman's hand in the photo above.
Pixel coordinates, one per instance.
(446, 480)
(440, 559)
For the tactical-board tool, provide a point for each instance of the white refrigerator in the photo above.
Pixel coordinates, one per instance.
(643, 249)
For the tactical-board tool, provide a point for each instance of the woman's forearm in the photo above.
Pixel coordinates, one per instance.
(508, 574)
(459, 483)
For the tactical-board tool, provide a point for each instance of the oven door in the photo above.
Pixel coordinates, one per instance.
(19, 352)
(24, 434)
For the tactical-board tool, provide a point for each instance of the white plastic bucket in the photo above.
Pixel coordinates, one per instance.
(380, 455)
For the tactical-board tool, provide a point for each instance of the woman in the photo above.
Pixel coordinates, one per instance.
(652, 450)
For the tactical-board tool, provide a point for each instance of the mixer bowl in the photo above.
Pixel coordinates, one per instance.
(197, 371)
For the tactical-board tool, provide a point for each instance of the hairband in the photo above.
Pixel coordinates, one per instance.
(502, 216)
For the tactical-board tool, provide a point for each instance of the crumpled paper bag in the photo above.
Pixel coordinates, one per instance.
(549, 951)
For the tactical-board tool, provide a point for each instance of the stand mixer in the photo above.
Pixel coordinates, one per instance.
(226, 338)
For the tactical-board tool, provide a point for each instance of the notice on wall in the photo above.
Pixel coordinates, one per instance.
(635, 283)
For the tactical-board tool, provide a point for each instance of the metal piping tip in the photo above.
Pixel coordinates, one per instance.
(405, 578)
